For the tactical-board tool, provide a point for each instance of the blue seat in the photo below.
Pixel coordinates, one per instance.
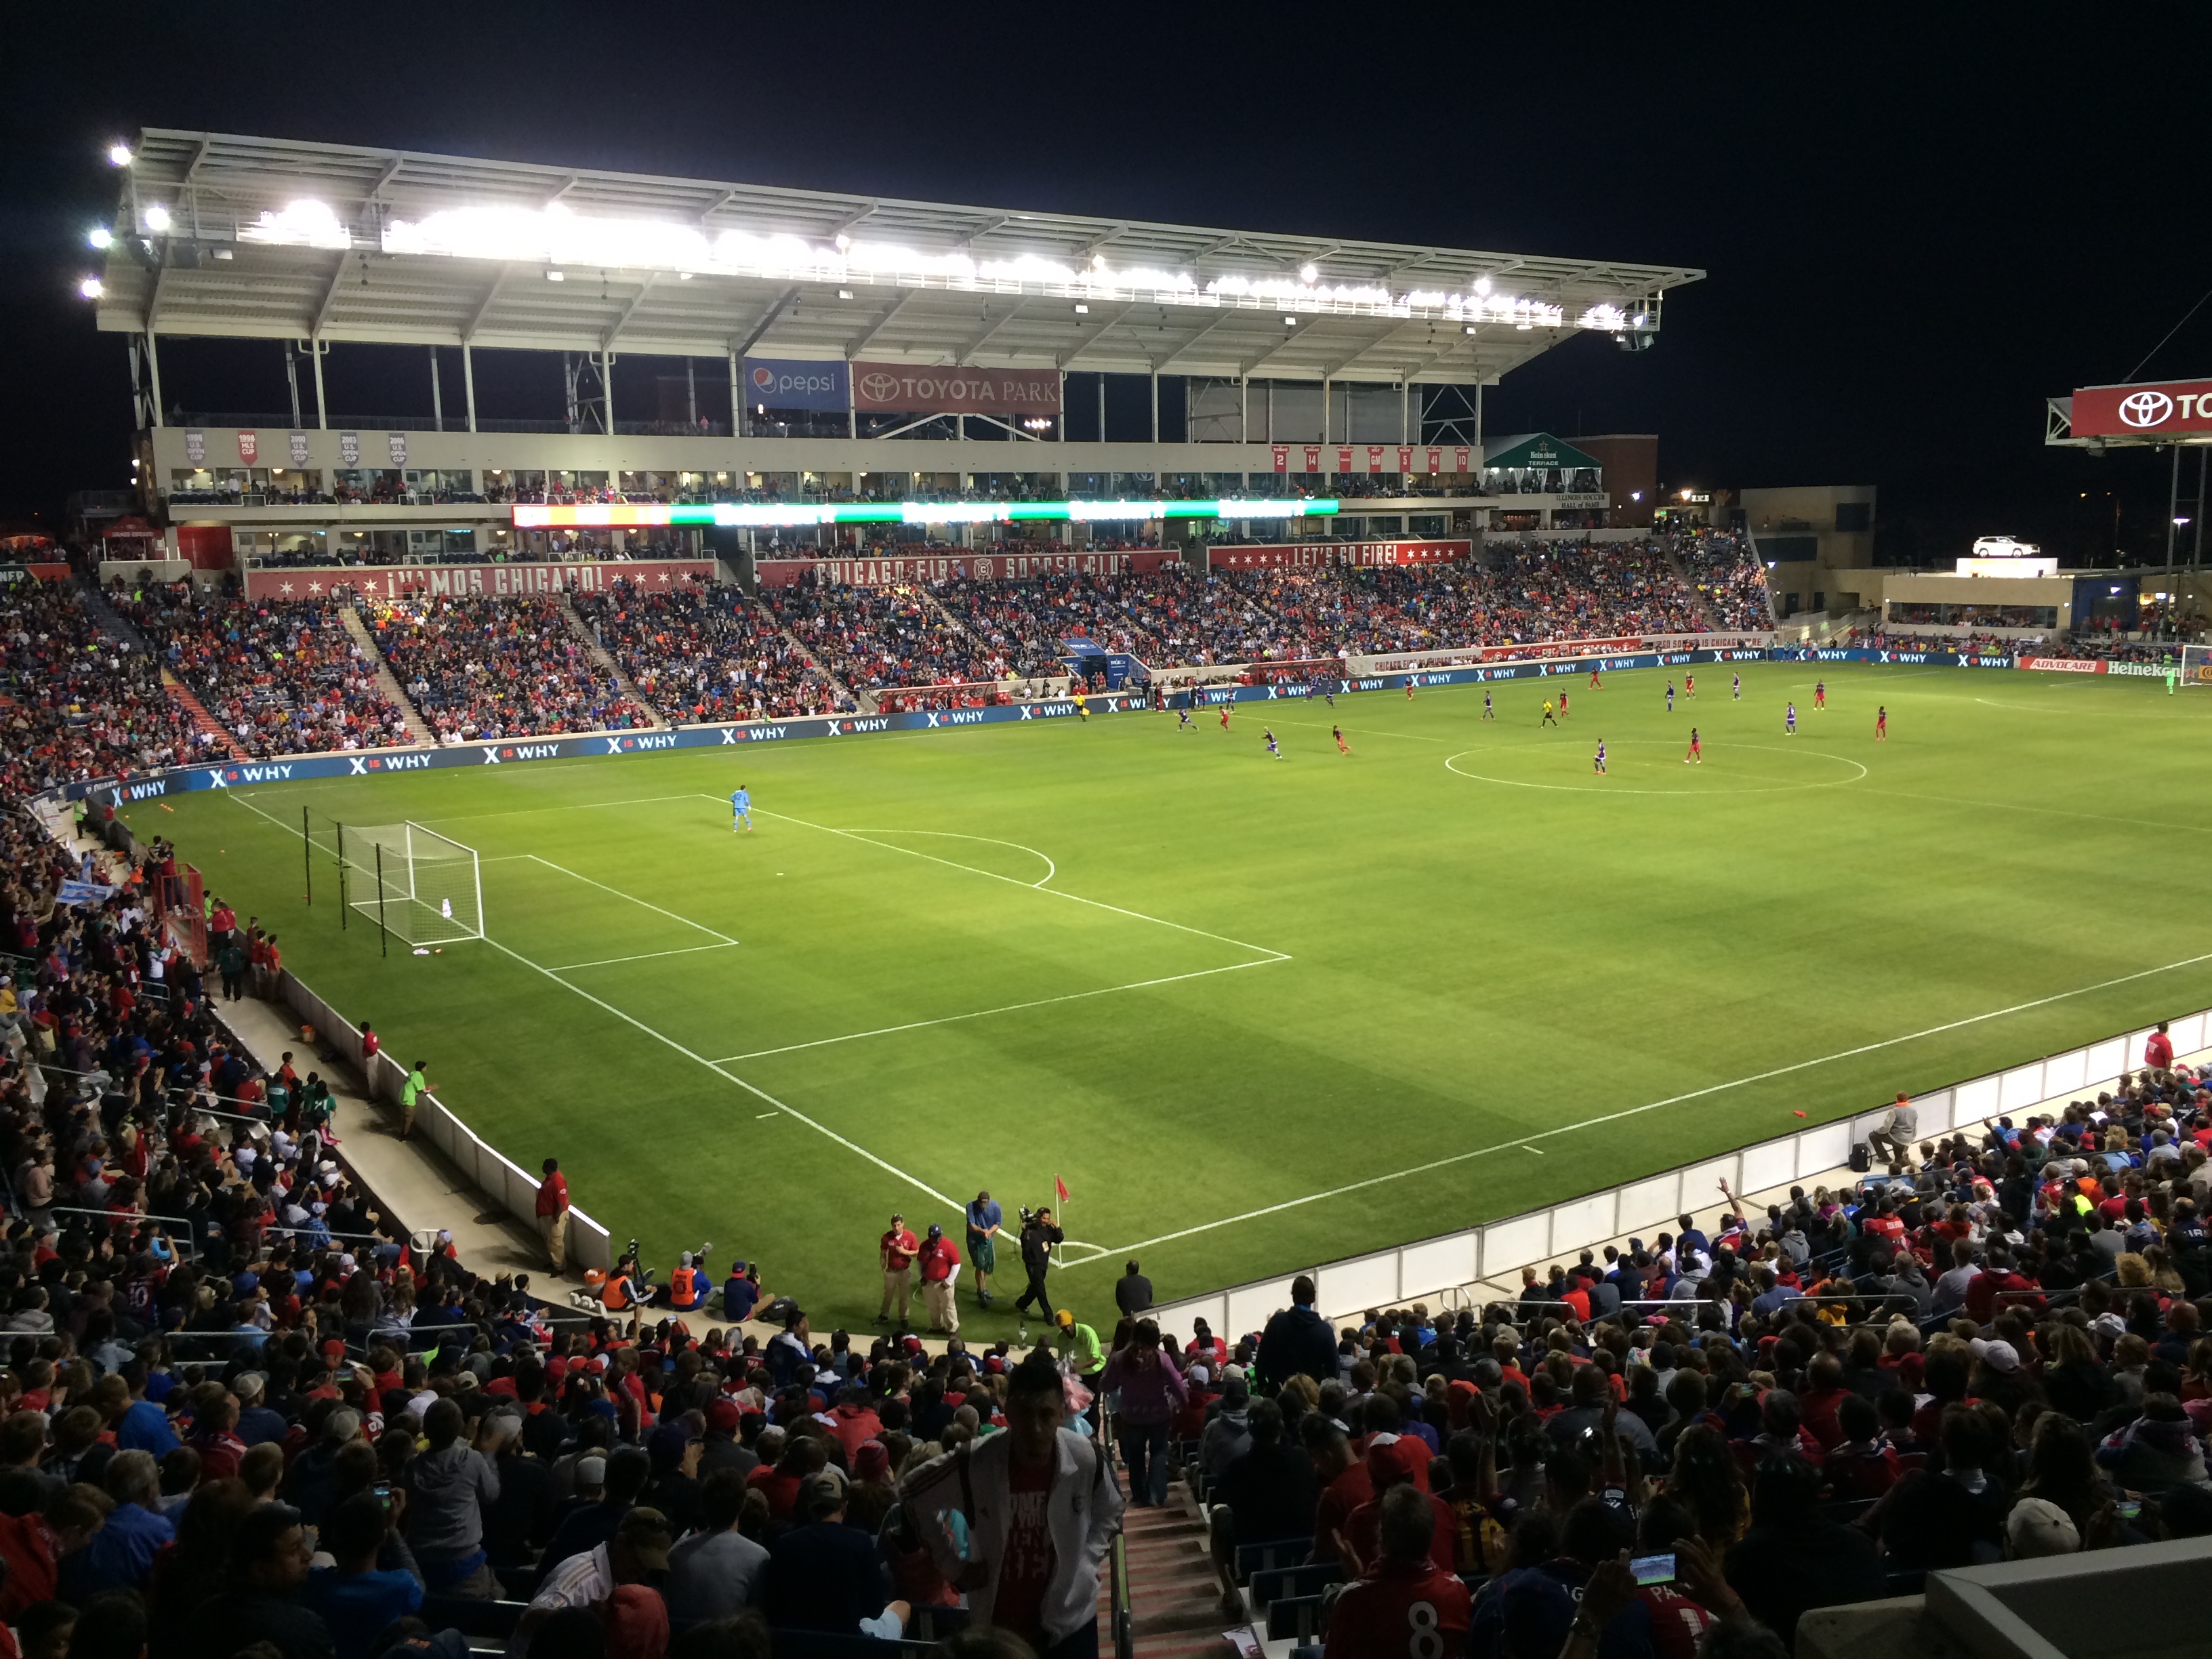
(1294, 1618)
(1309, 1579)
(1262, 1558)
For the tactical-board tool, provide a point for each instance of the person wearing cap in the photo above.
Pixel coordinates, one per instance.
(940, 1269)
(896, 1251)
(1043, 1509)
(553, 1215)
(1392, 1460)
(687, 1286)
(1892, 1139)
(825, 1575)
(1077, 1347)
(984, 1219)
(638, 1549)
(2037, 1527)
(410, 1092)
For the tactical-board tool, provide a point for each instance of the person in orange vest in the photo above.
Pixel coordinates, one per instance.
(687, 1286)
(620, 1292)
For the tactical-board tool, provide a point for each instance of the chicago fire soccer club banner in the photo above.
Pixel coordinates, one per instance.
(469, 580)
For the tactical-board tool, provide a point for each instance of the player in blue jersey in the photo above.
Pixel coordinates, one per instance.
(1273, 748)
(1598, 763)
(1488, 713)
(1183, 721)
(1736, 687)
(1670, 697)
(741, 809)
(1789, 720)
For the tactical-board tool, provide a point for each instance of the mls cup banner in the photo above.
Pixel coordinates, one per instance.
(960, 567)
(471, 580)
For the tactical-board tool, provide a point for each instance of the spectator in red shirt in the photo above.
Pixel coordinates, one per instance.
(1997, 1286)
(940, 1263)
(1405, 1604)
(553, 1214)
(1401, 1461)
(897, 1250)
(1342, 1478)
(2158, 1050)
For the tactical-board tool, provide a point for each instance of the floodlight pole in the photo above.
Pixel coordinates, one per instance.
(383, 939)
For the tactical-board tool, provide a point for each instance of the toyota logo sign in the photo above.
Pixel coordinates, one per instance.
(2145, 408)
(877, 388)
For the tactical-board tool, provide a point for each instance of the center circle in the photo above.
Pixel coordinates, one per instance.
(1649, 766)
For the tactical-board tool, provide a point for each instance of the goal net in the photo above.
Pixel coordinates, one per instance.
(412, 882)
(2197, 665)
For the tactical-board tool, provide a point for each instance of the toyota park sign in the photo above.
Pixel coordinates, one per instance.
(2143, 412)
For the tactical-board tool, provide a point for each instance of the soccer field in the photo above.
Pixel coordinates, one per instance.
(1256, 1012)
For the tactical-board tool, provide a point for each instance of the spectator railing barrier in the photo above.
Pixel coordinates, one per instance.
(1125, 1623)
(490, 1171)
(1393, 1277)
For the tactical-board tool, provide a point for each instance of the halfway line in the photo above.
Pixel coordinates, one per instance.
(1521, 1141)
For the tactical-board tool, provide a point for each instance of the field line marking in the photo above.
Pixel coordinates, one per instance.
(1050, 868)
(1367, 731)
(700, 926)
(2047, 812)
(753, 1090)
(571, 807)
(1521, 1141)
(649, 955)
(1049, 892)
(984, 1013)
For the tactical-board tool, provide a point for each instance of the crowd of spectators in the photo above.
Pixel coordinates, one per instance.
(871, 637)
(498, 668)
(708, 653)
(284, 676)
(76, 702)
(1728, 577)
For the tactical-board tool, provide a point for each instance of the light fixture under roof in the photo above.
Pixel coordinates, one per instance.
(156, 217)
(556, 276)
(99, 236)
(118, 154)
(91, 288)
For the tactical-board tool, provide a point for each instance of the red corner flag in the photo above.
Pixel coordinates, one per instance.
(1060, 1189)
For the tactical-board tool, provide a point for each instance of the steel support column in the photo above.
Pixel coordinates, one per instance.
(437, 395)
(469, 382)
(153, 374)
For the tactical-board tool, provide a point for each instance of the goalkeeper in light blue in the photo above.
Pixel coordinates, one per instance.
(741, 810)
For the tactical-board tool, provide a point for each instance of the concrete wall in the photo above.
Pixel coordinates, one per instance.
(1839, 574)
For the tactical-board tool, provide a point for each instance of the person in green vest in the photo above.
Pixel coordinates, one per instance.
(1079, 1349)
(410, 1092)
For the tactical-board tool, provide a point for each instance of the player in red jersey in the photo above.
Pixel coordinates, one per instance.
(1224, 716)
(1689, 685)
(1881, 724)
(1405, 1606)
(1593, 679)
(1337, 731)
(1563, 705)
(1409, 687)
(1697, 755)
(1819, 693)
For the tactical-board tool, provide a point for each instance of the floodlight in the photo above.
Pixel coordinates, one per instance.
(91, 288)
(555, 277)
(1082, 310)
(1482, 285)
(118, 154)
(1290, 322)
(844, 293)
(1307, 273)
(157, 217)
(99, 236)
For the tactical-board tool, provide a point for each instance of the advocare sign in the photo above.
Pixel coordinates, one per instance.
(2136, 411)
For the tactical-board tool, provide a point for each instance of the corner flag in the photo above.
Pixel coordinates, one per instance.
(1060, 1189)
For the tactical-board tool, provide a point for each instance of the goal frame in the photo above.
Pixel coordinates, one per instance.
(2195, 665)
(409, 850)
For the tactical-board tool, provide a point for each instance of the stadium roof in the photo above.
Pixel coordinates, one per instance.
(271, 239)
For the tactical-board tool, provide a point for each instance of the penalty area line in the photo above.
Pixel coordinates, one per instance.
(985, 1013)
(1521, 1142)
(649, 955)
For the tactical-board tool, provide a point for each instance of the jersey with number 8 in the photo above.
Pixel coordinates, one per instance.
(1404, 1611)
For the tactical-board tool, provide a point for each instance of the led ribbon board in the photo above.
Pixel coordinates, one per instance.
(781, 515)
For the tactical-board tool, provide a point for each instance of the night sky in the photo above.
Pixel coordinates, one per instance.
(1916, 226)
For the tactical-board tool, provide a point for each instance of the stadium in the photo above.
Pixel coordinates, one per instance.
(950, 701)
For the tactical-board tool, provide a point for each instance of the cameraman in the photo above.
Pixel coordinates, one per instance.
(1038, 1237)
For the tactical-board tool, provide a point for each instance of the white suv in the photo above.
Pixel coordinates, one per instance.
(2004, 547)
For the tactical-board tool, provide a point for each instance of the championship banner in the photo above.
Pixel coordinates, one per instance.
(1317, 556)
(2129, 411)
(961, 567)
(471, 580)
(901, 388)
(299, 444)
(249, 447)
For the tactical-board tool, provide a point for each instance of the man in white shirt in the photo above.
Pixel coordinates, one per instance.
(638, 1549)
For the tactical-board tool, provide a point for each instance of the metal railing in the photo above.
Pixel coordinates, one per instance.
(1125, 1622)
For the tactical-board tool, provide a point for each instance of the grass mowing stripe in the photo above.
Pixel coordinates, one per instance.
(754, 1090)
(985, 1013)
(634, 899)
(1521, 1141)
(1050, 892)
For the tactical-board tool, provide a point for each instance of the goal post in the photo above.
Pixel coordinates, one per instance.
(426, 888)
(2197, 665)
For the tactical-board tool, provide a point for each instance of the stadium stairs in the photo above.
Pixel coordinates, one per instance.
(864, 700)
(386, 681)
(111, 622)
(206, 724)
(603, 659)
(1175, 1600)
(1682, 580)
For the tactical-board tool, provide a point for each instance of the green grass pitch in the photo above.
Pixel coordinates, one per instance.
(1257, 1013)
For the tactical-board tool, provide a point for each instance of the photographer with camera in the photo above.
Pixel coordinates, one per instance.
(1038, 1237)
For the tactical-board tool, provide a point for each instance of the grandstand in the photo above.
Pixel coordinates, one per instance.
(1522, 1203)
